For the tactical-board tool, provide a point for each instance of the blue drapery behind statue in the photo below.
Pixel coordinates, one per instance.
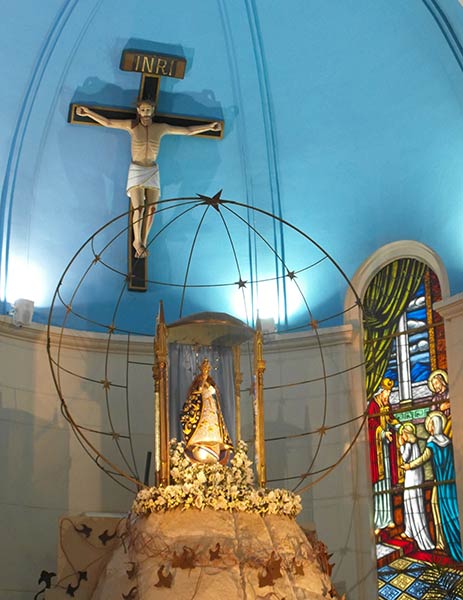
(184, 363)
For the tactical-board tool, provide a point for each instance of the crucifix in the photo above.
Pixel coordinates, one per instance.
(146, 130)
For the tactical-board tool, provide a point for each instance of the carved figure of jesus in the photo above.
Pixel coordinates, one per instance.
(143, 184)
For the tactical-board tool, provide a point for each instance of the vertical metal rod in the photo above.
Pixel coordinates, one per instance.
(238, 380)
(259, 368)
(161, 402)
(147, 468)
(157, 421)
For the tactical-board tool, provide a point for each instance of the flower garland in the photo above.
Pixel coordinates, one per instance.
(214, 486)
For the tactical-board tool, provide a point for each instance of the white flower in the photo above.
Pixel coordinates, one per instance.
(175, 473)
(237, 461)
(215, 486)
(201, 477)
(217, 478)
(144, 494)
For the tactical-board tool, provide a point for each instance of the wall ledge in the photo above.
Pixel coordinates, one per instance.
(36, 333)
(141, 345)
(451, 307)
(320, 338)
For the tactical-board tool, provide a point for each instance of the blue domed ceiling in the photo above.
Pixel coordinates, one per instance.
(342, 118)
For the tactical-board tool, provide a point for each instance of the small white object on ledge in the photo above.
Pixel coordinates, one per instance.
(22, 312)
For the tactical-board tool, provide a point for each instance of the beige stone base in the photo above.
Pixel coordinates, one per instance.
(211, 555)
(187, 555)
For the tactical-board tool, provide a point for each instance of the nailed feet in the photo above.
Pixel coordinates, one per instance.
(140, 250)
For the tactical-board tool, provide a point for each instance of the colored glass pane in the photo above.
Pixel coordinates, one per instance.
(409, 420)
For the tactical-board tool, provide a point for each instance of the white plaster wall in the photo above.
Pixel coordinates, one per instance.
(45, 472)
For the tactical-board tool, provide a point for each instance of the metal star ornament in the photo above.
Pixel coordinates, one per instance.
(322, 430)
(213, 201)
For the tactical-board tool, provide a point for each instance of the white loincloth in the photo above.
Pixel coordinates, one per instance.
(145, 177)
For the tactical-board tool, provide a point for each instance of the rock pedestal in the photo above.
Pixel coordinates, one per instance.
(212, 555)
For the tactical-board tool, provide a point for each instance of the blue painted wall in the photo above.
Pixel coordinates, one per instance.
(343, 118)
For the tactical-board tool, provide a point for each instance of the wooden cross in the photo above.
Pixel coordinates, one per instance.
(152, 67)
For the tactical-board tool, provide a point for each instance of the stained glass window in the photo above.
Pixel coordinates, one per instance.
(410, 431)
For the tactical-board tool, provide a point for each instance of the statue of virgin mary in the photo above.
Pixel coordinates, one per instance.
(206, 436)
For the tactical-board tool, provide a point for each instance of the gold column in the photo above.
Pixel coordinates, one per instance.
(161, 404)
(259, 368)
(238, 380)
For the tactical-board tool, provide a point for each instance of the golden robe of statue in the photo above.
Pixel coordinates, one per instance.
(206, 436)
